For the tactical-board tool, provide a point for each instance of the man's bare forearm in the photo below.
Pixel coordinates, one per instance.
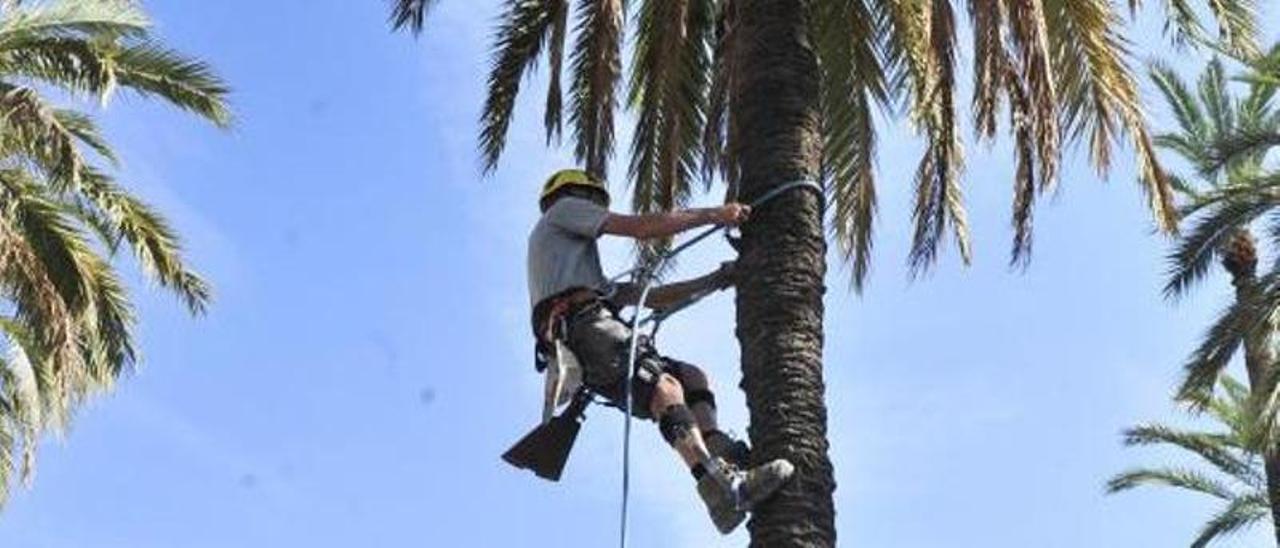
(670, 294)
(659, 225)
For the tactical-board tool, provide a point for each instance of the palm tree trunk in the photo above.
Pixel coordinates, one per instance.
(1240, 258)
(1258, 358)
(774, 105)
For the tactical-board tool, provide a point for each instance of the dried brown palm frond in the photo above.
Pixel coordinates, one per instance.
(1099, 95)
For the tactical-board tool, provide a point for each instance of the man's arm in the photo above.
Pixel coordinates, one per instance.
(661, 225)
(671, 294)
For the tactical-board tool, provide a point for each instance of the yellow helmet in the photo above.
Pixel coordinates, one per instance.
(569, 178)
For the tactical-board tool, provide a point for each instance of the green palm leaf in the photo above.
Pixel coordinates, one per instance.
(1241, 513)
(1170, 477)
(668, 92)
(410, 14)
(1231, 453)
(151, 69)
(69, 319)
(1220, 450)
(519, 41)
(1061, 67)
(852, 80)
(597, 69)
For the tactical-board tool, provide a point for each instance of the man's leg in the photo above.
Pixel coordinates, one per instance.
(698, 395)
(748, 487)
(678, 424)
(702, 401)
(680, 429)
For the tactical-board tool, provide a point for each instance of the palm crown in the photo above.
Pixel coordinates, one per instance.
(1226, 142)
(67, 316)
(1057, 69)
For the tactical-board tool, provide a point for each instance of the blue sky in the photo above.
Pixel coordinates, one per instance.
(367, 359)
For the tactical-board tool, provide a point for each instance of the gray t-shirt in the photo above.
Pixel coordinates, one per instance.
(562, 249)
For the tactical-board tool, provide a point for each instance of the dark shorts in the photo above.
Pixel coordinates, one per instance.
(601, 343)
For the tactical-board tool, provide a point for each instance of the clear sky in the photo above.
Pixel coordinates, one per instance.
(367, 358)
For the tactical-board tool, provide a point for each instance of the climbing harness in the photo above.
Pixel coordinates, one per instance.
(644, 276)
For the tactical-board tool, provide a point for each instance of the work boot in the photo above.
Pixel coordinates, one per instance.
(723, 446)
(716, 487)
(730, 493)
(758, 484)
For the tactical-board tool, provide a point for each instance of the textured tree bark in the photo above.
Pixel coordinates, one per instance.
(774, 105)
(1240, 258)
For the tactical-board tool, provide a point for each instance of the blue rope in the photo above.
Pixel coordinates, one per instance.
(645, 277)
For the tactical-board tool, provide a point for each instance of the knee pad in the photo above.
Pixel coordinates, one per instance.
(695, 397)
(676, 423)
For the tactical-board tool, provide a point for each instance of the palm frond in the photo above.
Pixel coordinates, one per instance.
(1236, 21)
(37, 127)
(1186, 108)
(1183, 23)
(930, 64)
(990, 63)
(107, 328)
(1099, 95)
(1030, 38)
(68, 319)
(1241, 513)
(1169, 477)
(1243, 145)
(1265, 69)
(39, 309)
(20, 417)
(152, 70)
(1195, 251)
(668, 92)
(155, 244)
(1234, 453)
(1218, 450)
(1238, 321)
(1211, 357)
(78, 65)
(518, 41)
(52, 235)
(1237, 26)
(85, 130)
(78, 19)
(410, 15)
(851, 78)
(597, 70)
(553, 117)
(1025, 188)
(717, 147)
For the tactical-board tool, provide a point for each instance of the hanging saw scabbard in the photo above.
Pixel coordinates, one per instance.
(545, 450)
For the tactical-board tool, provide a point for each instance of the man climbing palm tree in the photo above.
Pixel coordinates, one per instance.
(570, 305)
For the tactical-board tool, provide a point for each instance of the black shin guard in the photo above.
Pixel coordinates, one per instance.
(675, 424)
(695, 397)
